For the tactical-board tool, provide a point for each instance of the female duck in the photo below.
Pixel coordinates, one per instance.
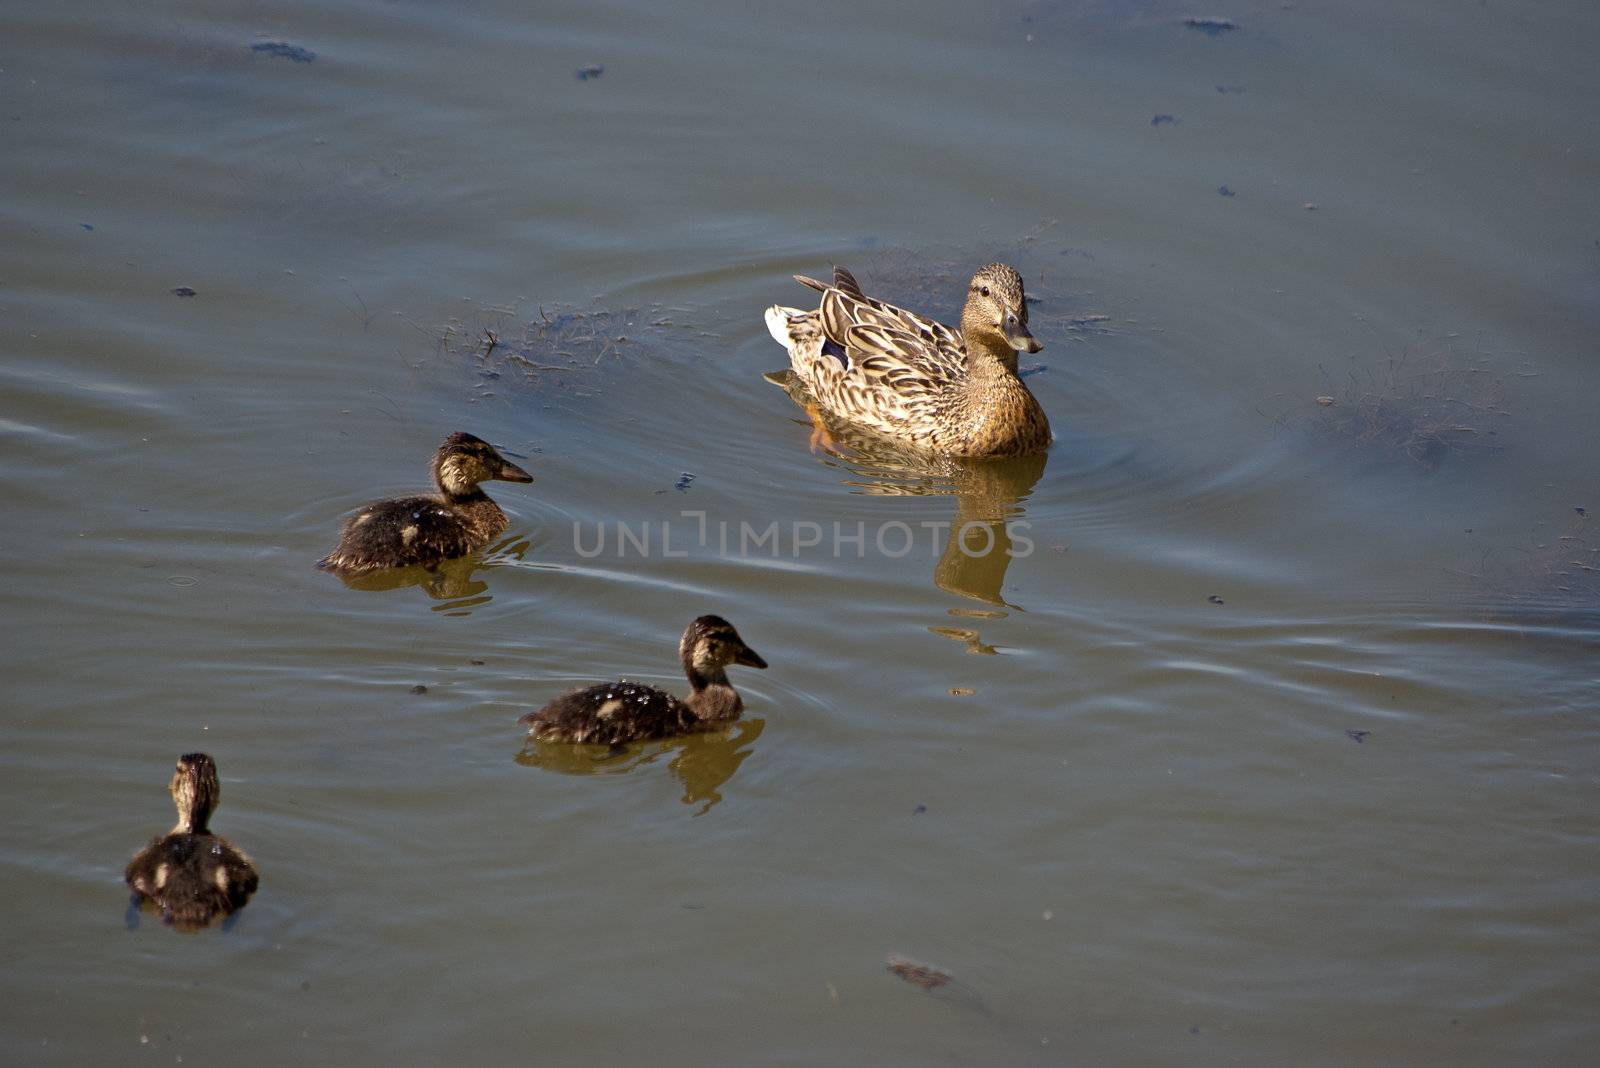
(428, 530)
(892, 371)
(614, 713)
(192, 875)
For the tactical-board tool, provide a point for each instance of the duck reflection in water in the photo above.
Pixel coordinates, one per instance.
(703, 762)
(456, 585)
(990, 494)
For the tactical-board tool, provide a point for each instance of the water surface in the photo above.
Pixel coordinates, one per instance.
(1275, 743)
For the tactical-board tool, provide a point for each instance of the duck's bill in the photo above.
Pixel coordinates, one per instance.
(510, 472)
(749, 658)
(1017, 337)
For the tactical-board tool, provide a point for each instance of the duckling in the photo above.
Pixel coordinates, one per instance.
(614, 713)
(404, 531)
(899, 374)
(192, 875)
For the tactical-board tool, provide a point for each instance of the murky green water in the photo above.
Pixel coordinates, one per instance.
(1146, 835)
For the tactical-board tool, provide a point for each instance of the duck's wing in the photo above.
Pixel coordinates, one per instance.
(913, 364)
(844, 306)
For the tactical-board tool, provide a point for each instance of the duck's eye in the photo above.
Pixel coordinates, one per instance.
(984, 290)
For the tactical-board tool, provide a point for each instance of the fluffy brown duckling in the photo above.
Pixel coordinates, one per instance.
(426, 530)
(613, 713)
(192, 875)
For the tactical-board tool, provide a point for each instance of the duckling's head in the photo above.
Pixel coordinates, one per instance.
(195, 791)
(709, 645)
(463, 461)
(996, 314)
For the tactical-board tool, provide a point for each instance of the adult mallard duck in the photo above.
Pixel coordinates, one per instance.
(874, 365)
(428, 530)
(614, 713)
(190, 874)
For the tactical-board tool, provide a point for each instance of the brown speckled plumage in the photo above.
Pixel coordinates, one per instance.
(894, 372)
(191, 875)
(614, 713)
(427, 530)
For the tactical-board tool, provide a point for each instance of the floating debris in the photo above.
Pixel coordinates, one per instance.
(1559, 570)
(1210, 25)
(419, 688)
(1163, 119)
(285, 50)
(916, 973)
(1424, 402)
(1357, 736)
(962, 691)
(1214, 599)
(183, 291)
(1230, 89)
(562, 338)
(684, 481)
(588, 73)
(1224, 191)
(87, 226)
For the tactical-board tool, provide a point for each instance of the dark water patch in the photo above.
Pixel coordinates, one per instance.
(1211, 25)
(284, 50)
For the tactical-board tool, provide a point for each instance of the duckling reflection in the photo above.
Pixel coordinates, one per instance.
(703, 762)
(191, 875)
(425, 530)
(458, 585)
(989, 495)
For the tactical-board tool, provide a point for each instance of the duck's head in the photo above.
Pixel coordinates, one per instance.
(996, 314)
(195, 791)
(709, 645)
(463, 461)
